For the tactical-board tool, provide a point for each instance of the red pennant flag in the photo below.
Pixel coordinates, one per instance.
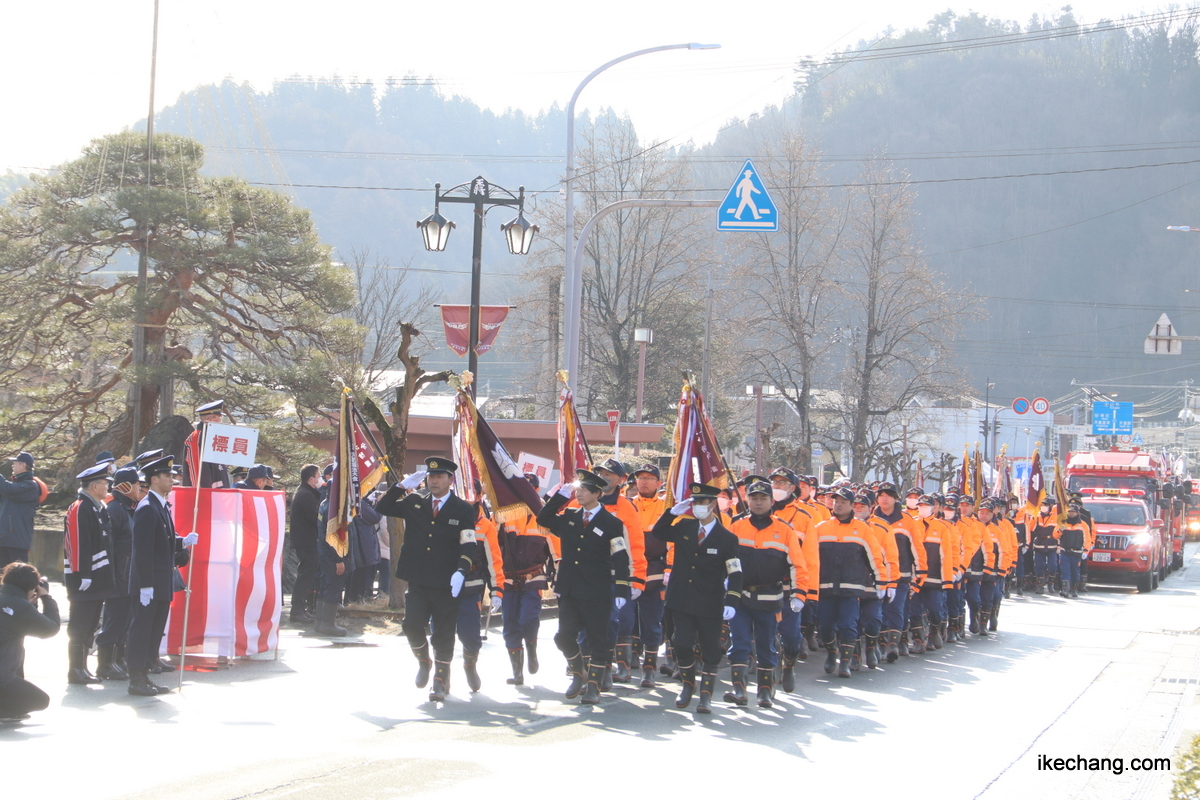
(456, 322)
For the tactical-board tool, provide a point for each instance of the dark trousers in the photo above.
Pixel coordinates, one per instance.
(932, 601)
(425, 606)
(870, 616)
(306, 576)
(894, 615)
(118, 614)
(20, 697)
(956, 601)
(837, 617)
(332, 585)
(10, 555)
(789, 629)
(470, 607)
(690, 629)
(145, 634)
(584, 615)
(757, 624)
(650, 618)
(1069, 562)
(1045, 563)
(522, 612)
(83, 622)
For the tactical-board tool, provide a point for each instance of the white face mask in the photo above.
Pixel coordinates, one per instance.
(925, 511)
(781, 494)
(910, 502)
(701, 511)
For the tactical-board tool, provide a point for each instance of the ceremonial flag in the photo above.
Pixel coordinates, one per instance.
(964, 477)
(920, 476)
(1060, 491)
(482, 457)
(697, 456)
(573, 450)
(358, 468)
(1035, 486)
(977, 476)
(456, 322)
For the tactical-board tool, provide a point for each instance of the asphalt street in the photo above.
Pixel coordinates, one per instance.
(1110, 675)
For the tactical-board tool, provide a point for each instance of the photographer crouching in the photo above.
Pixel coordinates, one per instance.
(20, 588)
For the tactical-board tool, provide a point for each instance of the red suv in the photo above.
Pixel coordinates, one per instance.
(1128, 545)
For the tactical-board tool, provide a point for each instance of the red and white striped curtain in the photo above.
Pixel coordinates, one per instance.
(236, 569)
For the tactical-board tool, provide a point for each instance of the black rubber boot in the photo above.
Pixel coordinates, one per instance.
(140, 685)
(787, 678)
(667, 667)
(917, 632)
(470, 666)
(871, 656)
(856, 659)
(973, 627)
(591, 691)
(576, 671)
(902, 645)
(813, 643)
(649, 667)
(892, 654)
(621, 656)
(441, 681)
(831, 657)
(737, 692)
(992, 618)
(424, 666)
(516, 657)
(708, 684)
(845, 653)
(983, 622)
(606, 678)
(326, 620)
(935, 636)
(766, 688)
(688, 676)
(531, 655)
(77, 671)
(635, 658)
(952, 630)
(802, 650)
(106, 664)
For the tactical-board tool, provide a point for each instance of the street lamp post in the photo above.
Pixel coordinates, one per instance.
(518, 235)
(987, 423)
(573, 285)
(643, 337)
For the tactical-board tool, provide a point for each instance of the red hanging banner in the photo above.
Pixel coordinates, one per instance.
(456, 321)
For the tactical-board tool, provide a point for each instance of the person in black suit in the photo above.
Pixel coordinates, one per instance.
(304, 536)
(156, 553)
(438, 552)
(705, 584)
(88, 571)
(593, 577)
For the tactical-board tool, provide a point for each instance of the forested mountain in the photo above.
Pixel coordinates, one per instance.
(1047, 161)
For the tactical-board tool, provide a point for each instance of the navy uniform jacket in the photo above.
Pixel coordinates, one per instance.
(700, 570)
(156, 549)
(18, 502)
(120, 514)
(596, 564)
(18, 619)
(87, 550)
(434, 548)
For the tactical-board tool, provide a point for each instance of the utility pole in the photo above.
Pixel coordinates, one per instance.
(704, 372)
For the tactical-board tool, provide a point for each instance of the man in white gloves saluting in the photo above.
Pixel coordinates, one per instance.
(705, 586)
(156, 553)
(438, 552)
(593, 577)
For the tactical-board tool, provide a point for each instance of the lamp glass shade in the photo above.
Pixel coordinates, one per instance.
(519, 235)
(435, 230)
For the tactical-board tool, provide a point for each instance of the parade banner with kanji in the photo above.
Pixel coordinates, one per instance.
(482, 457)
(358, 468)
(1035, 487)
(697, 456)
(231, 445)
(573, 453)
(456, 321)
(235, 572)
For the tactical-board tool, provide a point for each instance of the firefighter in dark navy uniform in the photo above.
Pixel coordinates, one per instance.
(438, 552)
(118, 611)
(593, 577)
(157, 550)
(87, 568)
(211, 476)
(704, 590)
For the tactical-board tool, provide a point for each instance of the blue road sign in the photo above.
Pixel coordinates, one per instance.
(1112, 419)
(747, 206)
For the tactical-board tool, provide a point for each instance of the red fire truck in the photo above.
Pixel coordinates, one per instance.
(1134, 527)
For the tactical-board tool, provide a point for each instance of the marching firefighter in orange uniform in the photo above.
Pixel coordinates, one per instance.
(910, 554)
(870, 616)
(785, 491)
(650, 504)
(529, 563)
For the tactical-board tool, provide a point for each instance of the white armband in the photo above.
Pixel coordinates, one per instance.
(733, 565)
(467, 536)
(616, 544)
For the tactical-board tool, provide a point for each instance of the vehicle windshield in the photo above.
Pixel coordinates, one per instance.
(1117, 513)
(1078, 483)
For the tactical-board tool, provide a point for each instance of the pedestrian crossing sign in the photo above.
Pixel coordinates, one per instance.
(747, 206)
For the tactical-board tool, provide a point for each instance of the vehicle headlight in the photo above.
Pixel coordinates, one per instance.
(1140, 538)
(1194, 525)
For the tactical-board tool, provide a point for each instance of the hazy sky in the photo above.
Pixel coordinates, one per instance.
(73, 70)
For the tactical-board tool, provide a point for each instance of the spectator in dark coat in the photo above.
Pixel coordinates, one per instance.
(18, 500)
(20, 588)
(304, 535)
(364, 542)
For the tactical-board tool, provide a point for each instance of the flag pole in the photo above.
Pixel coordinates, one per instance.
(187, 585)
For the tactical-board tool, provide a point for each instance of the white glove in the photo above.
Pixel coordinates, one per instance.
(666, 578)
(728, 613)
(85, 584)
(880, 592)
(618, 603)
(567, 490)
(797, 605)
(456, 583)
(147, 595)
(681, 507)
(191, 539)
(414, 480)
(635, 593)
(891, 593)
(497, 603)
